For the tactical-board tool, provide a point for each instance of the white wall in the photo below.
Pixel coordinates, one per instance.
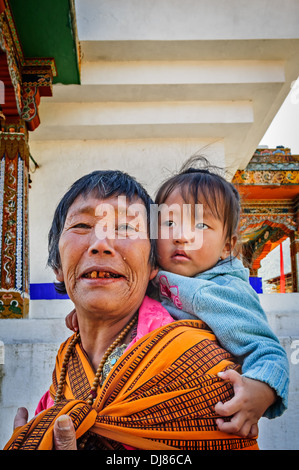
(283, 315)
(174, 19)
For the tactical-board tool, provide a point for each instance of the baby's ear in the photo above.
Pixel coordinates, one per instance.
(229, 247)
(233, 242)
(153, 273)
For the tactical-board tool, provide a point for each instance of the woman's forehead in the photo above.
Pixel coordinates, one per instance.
(89, 204)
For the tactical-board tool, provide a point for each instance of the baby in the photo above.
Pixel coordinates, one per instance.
(199, 278)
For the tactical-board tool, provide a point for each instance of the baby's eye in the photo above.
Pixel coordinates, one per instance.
(201, 226)
(169, 223)
(125, 227)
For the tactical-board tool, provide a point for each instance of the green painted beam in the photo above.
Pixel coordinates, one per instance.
(45, 30)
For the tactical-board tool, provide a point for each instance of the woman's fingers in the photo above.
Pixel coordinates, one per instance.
(64, 434)
(21, 417)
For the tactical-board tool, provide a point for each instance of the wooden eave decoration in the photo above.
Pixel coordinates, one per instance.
(25, 80)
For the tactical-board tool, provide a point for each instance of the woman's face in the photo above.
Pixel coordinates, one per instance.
(104, 255)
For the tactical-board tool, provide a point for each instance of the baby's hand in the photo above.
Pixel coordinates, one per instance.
(71, 321)
(252, 398)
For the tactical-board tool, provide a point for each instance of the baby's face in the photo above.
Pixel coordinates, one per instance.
(189, 244)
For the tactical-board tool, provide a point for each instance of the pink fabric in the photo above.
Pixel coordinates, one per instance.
(44, 403)
(151, 316)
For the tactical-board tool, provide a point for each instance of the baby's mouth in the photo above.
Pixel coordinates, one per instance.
(180, 254)
(101, 275)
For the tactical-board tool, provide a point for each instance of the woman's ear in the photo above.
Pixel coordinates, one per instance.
(59, 275)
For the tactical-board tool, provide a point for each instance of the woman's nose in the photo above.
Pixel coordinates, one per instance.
(101, 245)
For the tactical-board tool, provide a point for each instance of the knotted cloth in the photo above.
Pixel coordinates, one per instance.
(159, 395)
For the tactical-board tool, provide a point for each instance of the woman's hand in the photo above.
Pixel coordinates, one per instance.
(252, 398)
(64, 431)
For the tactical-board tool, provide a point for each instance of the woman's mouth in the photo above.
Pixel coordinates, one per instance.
(101, 275)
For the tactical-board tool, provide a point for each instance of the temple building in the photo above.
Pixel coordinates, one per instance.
(138, 87)
(269, 189)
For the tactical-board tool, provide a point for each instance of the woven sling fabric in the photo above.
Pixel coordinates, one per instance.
(159, 395)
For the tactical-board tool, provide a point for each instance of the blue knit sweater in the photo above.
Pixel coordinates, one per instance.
(223, 299)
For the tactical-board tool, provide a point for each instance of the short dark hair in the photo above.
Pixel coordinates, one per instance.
(103, 184)
(203, 183)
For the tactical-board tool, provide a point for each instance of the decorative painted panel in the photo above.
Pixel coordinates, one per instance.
(14, 292)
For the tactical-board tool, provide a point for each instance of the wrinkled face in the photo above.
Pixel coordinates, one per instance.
(104, 254)
(190, 245)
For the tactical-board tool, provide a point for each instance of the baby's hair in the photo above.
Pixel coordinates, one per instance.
(203, 183)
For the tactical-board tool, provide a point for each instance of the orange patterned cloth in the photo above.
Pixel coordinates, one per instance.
(160, 395)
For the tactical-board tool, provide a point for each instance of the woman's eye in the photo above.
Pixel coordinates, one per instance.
(81, 225)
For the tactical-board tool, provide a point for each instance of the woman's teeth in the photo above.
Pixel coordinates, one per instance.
(100, 274)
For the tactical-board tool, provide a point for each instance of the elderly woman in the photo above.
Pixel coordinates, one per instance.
(131, 377)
